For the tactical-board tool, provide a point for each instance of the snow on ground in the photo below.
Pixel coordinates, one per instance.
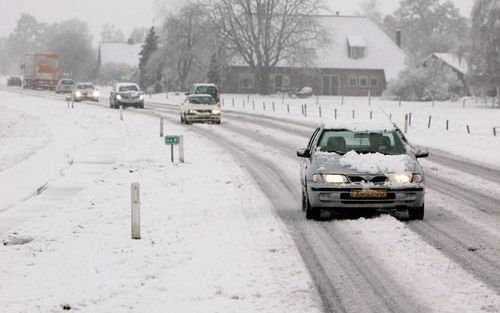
(210, 241)
(21, 135)
(416, 264)
(480, 145)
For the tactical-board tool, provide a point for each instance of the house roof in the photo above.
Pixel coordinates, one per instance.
(381, 51)
(119, 53)
(453, 60)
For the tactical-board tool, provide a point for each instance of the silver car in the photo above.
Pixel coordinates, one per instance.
(65, 85)
(360, 167)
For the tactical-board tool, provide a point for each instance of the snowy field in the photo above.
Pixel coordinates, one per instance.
(213, 239)
(209, 241)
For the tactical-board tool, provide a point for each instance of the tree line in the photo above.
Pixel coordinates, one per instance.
(197, 42)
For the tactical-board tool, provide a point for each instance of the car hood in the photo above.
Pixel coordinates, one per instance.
(86, 90)
(353, 163)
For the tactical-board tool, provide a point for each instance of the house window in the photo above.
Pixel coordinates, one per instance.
(353, 82)
(374, 82)
(363, 81)
(247, 81)
(357, 52)
(280, 82)
(356, 47)
(330, 85)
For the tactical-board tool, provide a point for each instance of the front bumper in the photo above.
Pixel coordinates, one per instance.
(328, 197)
(85, 98)
(202, 117)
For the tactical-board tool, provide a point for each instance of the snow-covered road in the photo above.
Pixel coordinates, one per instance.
(447, 263)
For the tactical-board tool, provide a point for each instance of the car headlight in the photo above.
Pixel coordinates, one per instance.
(216, 111)
(329, 178)
(192, 111)
(141, 97)
(400, 178)
(118, 97)
(95, 93)
(78, 94)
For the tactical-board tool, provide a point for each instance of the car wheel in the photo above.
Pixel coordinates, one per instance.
(182, 119)
(311, 213)
(416, 213)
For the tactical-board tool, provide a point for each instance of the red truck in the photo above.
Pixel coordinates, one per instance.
(41, 70)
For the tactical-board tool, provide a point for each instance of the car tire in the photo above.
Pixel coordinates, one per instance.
(311, 213)
(182, 119)
(416, 213)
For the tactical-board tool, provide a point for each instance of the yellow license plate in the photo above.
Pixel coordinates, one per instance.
(369, 194)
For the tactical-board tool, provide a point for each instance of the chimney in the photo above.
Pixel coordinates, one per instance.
(398, 38)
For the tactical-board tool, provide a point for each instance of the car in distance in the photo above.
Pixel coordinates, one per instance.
(14, 81)
(204, 89)
(126, 95)
(200, 108)
(65, 85)
(360, 166)
(85, 91)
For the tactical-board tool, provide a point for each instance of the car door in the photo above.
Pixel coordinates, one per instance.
(306, 162)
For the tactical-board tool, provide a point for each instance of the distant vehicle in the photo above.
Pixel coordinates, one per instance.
(126, 94)
(85, 91)
(65, 85)
(361, 167)
(200, 108)
(41, 70)
(204, 89)
(15, 81)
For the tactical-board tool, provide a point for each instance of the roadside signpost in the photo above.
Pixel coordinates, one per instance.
(172, 141)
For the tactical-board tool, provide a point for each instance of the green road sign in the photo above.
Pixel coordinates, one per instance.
(171, 140)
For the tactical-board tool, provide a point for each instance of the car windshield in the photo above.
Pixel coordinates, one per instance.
(67, 82)
(85, 86)
(343, 141)
(209, 90)
(128, 88)
(202, 100)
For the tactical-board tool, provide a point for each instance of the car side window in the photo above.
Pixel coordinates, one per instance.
(313, 137)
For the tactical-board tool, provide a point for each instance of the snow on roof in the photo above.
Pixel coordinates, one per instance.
(362, 126)
(356, 41)
(120, 53)
(381, 53)
(453, 60)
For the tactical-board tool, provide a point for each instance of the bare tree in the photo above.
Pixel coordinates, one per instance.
(188, 42)
(266, 32)
(110, 32)
(486, 42)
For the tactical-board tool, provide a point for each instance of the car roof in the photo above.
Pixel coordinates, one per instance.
(204, 84)
(126, 84)
(362, 126)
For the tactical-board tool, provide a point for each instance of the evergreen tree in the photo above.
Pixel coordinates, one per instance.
(148, 48)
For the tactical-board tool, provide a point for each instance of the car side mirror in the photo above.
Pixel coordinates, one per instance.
(303, 153)
(421, 152)
(187, 93)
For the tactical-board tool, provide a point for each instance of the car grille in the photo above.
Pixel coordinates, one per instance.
(204, 111)
(377, 180)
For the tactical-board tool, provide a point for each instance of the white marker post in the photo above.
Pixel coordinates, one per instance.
(161, 126)
(136, 212)
(121, 112)
(181, 148)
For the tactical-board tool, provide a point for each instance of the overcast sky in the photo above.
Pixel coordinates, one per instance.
(128, 14)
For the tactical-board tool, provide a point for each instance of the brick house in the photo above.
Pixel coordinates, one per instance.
(360, 59)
